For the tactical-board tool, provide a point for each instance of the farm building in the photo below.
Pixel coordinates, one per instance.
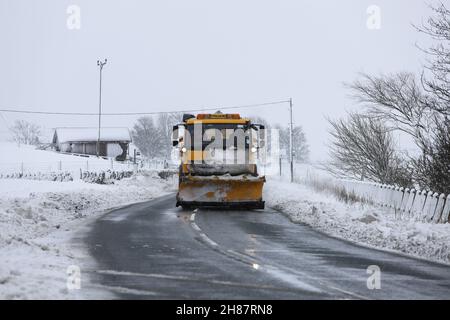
(113, 141)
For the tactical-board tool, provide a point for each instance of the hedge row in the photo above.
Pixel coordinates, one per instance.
(104, 177)
(47, 176)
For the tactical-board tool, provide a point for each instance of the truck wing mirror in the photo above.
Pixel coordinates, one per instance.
(175, 136)
(261, 134)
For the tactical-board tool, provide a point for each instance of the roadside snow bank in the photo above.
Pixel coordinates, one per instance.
(38, 220)
(361, 223)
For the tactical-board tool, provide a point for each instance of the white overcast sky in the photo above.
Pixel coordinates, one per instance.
(169, 55)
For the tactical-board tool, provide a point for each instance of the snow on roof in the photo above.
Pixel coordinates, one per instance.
(91, 134)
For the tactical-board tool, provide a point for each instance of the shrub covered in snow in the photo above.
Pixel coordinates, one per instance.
(45, 176)
(104, 177)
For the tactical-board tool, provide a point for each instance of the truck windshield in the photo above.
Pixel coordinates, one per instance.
(231, 135)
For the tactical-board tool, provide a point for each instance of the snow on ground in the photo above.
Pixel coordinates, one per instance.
(38, 220)
(13, 188)
(361, 223)
(23, 157)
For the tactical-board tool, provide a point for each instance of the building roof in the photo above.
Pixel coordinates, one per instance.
(63, 135)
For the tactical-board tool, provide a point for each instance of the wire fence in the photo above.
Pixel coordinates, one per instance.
(74, 167)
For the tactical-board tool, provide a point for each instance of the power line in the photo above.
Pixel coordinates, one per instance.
(145, 113)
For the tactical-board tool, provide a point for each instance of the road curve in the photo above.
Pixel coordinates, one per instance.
(153, 250)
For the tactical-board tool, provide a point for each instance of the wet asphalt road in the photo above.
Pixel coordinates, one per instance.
(153, 250)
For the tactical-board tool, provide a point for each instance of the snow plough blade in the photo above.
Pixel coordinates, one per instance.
(233, 192)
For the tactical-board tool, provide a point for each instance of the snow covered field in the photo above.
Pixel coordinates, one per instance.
(26, 159)
(29, 160)
(38, 220)
(361, 223)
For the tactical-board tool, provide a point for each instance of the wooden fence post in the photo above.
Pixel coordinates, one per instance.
(399, 194)
(439, 208)
(427, 205)
(419, 203)
(446, 210)
(432, 203)
(404, 202)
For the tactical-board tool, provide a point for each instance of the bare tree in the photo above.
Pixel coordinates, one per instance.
(397, 100)
(148, 138)
(431, 169)
(419, 108)
(25, 132)
(362, 147)
(165, 123)
(408, 105)
(299, 143)
(438, 66)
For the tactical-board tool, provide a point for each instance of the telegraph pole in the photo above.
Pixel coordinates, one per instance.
(100, 64)
(291, 149)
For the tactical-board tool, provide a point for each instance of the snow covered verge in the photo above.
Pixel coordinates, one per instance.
(361, 223)
(38, 221)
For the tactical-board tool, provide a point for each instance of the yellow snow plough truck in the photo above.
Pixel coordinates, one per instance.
(219, 154)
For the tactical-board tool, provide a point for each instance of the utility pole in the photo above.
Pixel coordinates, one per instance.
(100, 64)
(291, 149)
